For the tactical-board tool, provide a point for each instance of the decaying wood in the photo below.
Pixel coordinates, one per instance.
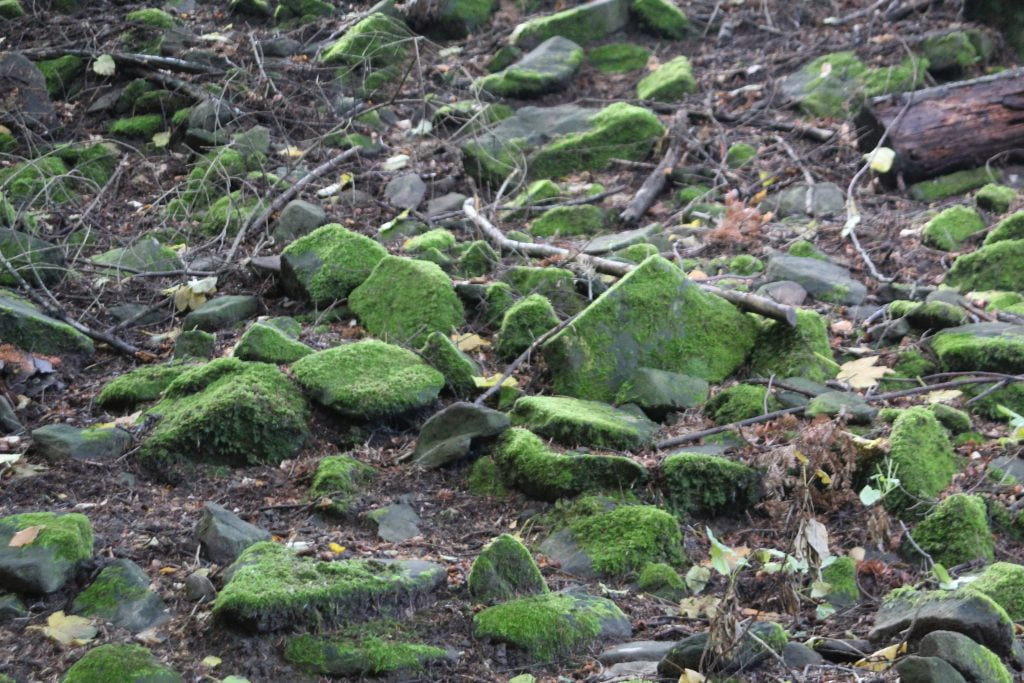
(129, 59)
(655, 182)
(949, 127)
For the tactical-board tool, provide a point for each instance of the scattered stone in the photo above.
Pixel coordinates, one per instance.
(995, 198)
(547, 68)
(1004, 583)
(195, 344)
(950, 53)
(589, 423)
(835, 403)
(583, 24)
(949, 229)
(916, 669)
(222, 313)
(56, 442)
(748, 653)
(670, 82)
(367, 656)
(338, 482)
(368, 379)
(223, 535)
(661, 580)
(701, 484)
(844, 651)
(798, 657)
(992, 347)
(659, 392)
(25, 92)
(802, 351)
(447, 203)
(824, 281)
(123, 663)
(526, 321)
(271, 589)
(570, 221)
(660, 18)
(784, 292)
(557, 285)
(143, 384)
(45, 564)
(1010, 228)
(929, 315)
(328, 263)
(450, 434)
(395, 523)
(298, 218)
(740, 402)
(975, 662)
(406, 191)
(956, 531)
(121, 595)
(268, 344)
(145, 256)
(34, 259)
(636, 651)
(198, 587)
(504, 570)
(458, 368)
(602, 244)
(553, 625)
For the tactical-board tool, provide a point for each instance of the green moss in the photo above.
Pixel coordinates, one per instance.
(619, 131)
(801, 351)
(536, 192)
(572, 422)
(618, 57)
(405, 300)
(11, 9)
(368, 379)
(557, 285)
(637, 253)
(993, 347)
(23, 325)
(525, 321)
(268, 344)
(525, 463)
(829, 91)
(458, 368)
(522, 81)
(498, 297)
(438, 238)
(152, 17)
(230, 212)
(1010, 228)
(995, 197)
(228, 412)
(912, 363)
(477, 259)
(68, 536)
(841, 576)
(740, 402)
(122, 663)
(377, 41)
(953, 419)
(661, 17)
(484, 478)
(805, 249)
(740, 155)
(328, 263)
(505, 570)
(582, 25)
(952, 51)
(694, 193)
(142, 126)
(113, 586)
(36, 180)
(954, 183)
(908, 75)
(546, 626)
(626, 538)
(699, 484)
(371, 655)
(929, 315)
(568, 221)
(990, 267)
(339, 478)
(670, 82)
(948, 230)
(60, 72)
(660, 579)
(1003, 582)
(923, 459)
(956, 531)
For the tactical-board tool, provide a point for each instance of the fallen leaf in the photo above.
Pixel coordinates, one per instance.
(68, 629)
(104, 65)
(161, 139)
(880, 160)
(336, 548)
(862, 373)
(211, 661)
(470, 342)
(25, 536)
(881, 660)
(691, 676)
(943, 396)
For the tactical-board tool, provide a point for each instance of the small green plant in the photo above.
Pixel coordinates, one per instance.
(885, 483)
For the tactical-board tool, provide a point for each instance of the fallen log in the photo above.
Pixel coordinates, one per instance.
(946, 128)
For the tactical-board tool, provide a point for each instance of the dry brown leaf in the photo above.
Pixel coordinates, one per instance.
(25, 536)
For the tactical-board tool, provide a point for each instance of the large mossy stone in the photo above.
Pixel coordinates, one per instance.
(524, 462)
(670, 82)
(328, 263)
(121, 663)
(547, 68)
(661, 18)
(653, 317)
(924, 459)
(121, 595)
(338, 483)
(504, 570)
(801, 351)
(34, 259)
(369, 379)
(949, 229)
(583, 24)
(1004, 583)
(457, 367)
(553, 625)
(267, 344)
(658, 392)
(141, 385)
(377, 41)
(992, 267)
(44, 564)
(366, 656)
(574, 422)
(58, 442)
(228, 412)
(974, 661)
(449, 434)
(956, 531)
(223, 535)
(270, 588)
(523, 323)
(991, 347)
(701, 484)
(404, 300)
(221, 313)
(22, 324)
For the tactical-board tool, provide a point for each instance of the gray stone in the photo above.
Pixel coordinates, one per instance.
(267, 344)
(785, 292)
(44, 564)
(586, 23)
(211, 114)
(748, 653)
(34, 259)
(798, 656)
(57, 442)
(823, 280)
(602, 244)
(975, 662)
(547, 68)
(659, 392)
(121, 595)
(23, 92)
(395, 523)
(826, 200)
(146, 255)
(11, 607)
(223, 312)
(123, 312)
(199, 587)
(504, 570)
(637, 651)
(280, 47)
(844, 651)
(449, 434)
(640, 670)
(298, 218)
(194, 344)
(832, 403)
(915, 669)
(792, 399)
(406, 191)
(447, 203)
(223, 535)
(9, 422)
(561, 547)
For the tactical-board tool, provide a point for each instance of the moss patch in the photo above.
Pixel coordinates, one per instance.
(993, 347)
(671, 82)
(801, 351)
(661, 18)
(328, 263)
(923, 458)
(339, 479)
(695, 483)
(995, 197)
(618, 57)
(956, 531)
(841, 577)
(953, 184)
(505, 570)
(523, 323)
(141, 385)
(1004, 583)
(590, 423)
(570, 221)
(948, 230)
(740, 402)
(369, 656)
(127, 663)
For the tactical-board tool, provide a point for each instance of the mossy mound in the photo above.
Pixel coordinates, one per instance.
(122, 663)
(228, 412)
(525, 463)
(328, 263)
(841, 577)
(670, 82)
(152, 17)
(956, 531)
(699, 484)
(271, 589)
(37, 181)
(121, 595)
(557, 285)
(1009, 228)
(923, 459)
(954, 183)
(141, 126)
(377, 41)
(438, 238)
(268, 344)
(570, 221)
(653, 317)
(45, 564)
(993, 347)
(661, 580)
(618, 58)
(552, 625)
(369, 656)
(741, 402)
(141, 385)
(583, 24)
(929, 315)
(835, 84)
(1004, 583)
(445, 357)
(338, 482)
(504, 570)
(404, 300)
(661, 18)
(801, 351)
(526, 321)
(995, 197)
(23, 325)
(228, 213)
(574, 422)
(948, 230)
(60, 72)
(369, 379)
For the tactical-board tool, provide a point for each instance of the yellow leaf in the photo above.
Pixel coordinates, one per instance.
(195, 300)
(488, 382)
(182, 295)
(697, 275)
(801, 457)
(880, 160)
(336, 548)
(211, 661)
(25, 536)
(823, 475)
(292, 152)
(862, 373)
(68, 629)
(345, 178)
(470, 342)
(691, 676)
(941, 396)
(759, 197)
(168, 570)
(880, 661)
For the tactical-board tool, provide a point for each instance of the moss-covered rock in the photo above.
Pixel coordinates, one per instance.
(152, 17)
(368, 656)
(124, 663)
(60, 72)
(375, 42)
(523, 323)
(484, 478)
(44, 564)
(574, 422)
(841, 577)
(121, 595)
(141, 385)
(929, 315)
(547, 68)
(950, 52)
(653, 317)
(990, 267)
(972, 659)
(740, 402)
(230, 212)
(11, 9)
(458, 368)
(504, 570)
(36, 181)
(338, 482)
(801, 351)
(404, 300)
(670, 82)
(1009, 228)
(954, 183)
(23, 325)
(557, 285)
(953, 419)
(995, 197)
(476, 259)
(618, 57)
(1004, 583)
(570, 221)
(141, 126)
(438, 238)
(221, 313)
(228, 412)
(34, 259)
(525, 463)
(948, 230)
(923, 459)
(270, 588)
(267, 344)
(369, 379)
(328, 263)
(993, 347)
(552, 625)
(582, 24)
(658, 392)
(700, 484)
(660, 18)
(956, 531)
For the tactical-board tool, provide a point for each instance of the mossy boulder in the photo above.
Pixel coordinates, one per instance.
(547, 68)
(1004, 583)
(661, 580)
(958, 182)
(557, 285)
(948, 230)
(229, 213)
(44, 564)
(377, 41)
(526, 321)
(267, 344)
(404, 300)
(956, 531)
(152, 17)
(923, 459)
(141, 385)
(570, 221)
(658, 392)
(338, 482)
(60, 73)
(270, 588)
(583, 24)
(368, 656)
(661, 18)
(504, 570)
(701, 484)
(57, 441)
(618, 57)
(990, 267)
(145, 255)
(574, 422)
(801, 351)
(992, 347)
(23, 325)
(438, 238)
(123, 663)
(228, 412)
(11, 9)
(34, 259)
(121, 595)
(653, 317)
(740, 402)
(328, 263)
(929, 315)
(995, 197)
(37, 181)
(950, 52)
(368, 379)
(1009, 228)
(457, 367)
(221, 313)
(670, 82)
(834, 85)
(524, 462)
(973, 660)
(552, 626)
(841, 577)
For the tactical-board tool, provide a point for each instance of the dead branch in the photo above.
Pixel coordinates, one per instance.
(655, 182)
(128, 59)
